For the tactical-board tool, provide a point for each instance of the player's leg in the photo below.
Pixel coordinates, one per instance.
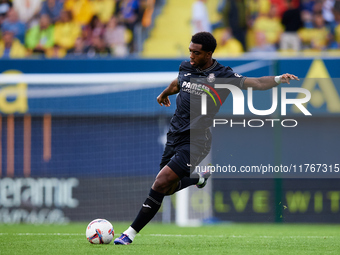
(165, 182)
(199, 148)
(198, 179)
(173, 177)
(185, 158)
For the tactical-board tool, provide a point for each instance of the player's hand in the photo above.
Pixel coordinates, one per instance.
(163, 100)
(285, 78)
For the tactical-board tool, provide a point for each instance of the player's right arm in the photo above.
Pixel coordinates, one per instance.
(163, 98)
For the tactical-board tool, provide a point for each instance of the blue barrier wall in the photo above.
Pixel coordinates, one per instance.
(105, 65)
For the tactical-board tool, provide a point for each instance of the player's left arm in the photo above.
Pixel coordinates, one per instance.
(268, 82)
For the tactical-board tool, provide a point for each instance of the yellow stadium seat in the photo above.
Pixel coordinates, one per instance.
(170, 36)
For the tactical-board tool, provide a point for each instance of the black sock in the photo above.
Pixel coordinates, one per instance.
(188, 181)
(149, 210)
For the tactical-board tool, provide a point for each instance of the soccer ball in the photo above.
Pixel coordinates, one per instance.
(99, 231)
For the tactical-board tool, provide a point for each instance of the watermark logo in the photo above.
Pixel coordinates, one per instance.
(282, 98)
(238, 100)
(204, 95)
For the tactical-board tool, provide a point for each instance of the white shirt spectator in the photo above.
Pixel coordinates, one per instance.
(327, 10)
(27, 9)
(200, 18)
(114, 36)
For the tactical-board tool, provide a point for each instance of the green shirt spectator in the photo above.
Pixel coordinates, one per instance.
(40, 37)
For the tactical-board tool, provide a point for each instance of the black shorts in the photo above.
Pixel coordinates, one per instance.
(183, 155)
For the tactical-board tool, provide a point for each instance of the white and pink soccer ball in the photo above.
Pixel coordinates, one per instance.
(99, 231)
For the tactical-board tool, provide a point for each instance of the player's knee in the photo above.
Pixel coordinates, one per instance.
(164, 185)
(172, 189)
(165, 180)
(160, 185)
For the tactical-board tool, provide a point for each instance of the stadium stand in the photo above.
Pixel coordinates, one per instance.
(162, 28)
(172, 31)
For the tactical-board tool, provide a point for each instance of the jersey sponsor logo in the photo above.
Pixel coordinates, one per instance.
(201, 89)
(193, 88)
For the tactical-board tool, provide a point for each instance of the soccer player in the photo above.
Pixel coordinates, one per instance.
(180, 154)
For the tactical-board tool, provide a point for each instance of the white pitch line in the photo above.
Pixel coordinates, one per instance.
(43, 234)
(233, 236)
(169, 235)
(166, 235)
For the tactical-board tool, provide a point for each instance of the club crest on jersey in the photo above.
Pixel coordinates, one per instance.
(211, 77)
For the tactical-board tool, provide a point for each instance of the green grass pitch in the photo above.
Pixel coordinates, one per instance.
(170, 239)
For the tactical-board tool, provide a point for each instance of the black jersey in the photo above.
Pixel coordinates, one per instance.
(188, 110)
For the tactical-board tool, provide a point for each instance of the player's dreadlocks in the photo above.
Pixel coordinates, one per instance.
(206, 39)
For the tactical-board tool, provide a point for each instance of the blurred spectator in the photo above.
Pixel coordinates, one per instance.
(94, 28)
(149, 7)
(307, 18)
(40, 37)
(11, 47)
(55, 52)
(28, 10)
(114, 35)
(257, 7)
(307, 5)
(66, 31)
(219, 23)
(52, 8)
(128, 12)
(261, 43)
(292, 22)
(103, 9)
(307, 9)
(270, 25)
(315, 38)
(12, 23)
(227, 45)
(82, 10)
(317, 6)
(282, 5)
(98, 47)
(235, 17)
(79, 48)
(5, 5)
(327, 11)
(335, 27)
(200, 18)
